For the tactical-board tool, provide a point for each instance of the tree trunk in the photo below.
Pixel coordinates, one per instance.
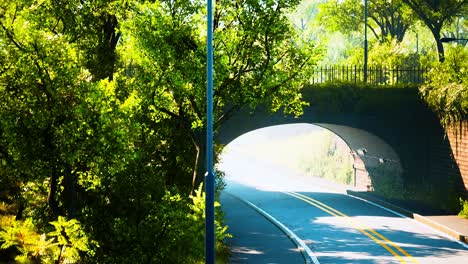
(51, 198)
(105, 51)
(19, 213)
(440, 50)
(49, 144)
(433, 23)
(199, 168)
(440, 46)
(69, 192)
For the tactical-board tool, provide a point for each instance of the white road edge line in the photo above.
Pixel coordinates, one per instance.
(404, 216)
(309, 256)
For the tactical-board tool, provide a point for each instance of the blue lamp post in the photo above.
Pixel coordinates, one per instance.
(365, 42)
(209, 177)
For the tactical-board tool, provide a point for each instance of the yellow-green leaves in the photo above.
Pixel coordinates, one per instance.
(446, 91)
(131, 103)
(71, 237)
(103, 111)
(35, 247)
(198, 209)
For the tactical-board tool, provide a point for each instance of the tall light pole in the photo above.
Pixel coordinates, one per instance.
(209, 177)
(365, 42)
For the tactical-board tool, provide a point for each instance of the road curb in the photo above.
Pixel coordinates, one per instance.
(417, 217)
(306, 252)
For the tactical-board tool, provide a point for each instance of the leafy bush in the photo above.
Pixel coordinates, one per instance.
(64, 244)
(447, 92)
(198, 213)
(72, 239)
(172, 231)
(348, 97)
(464, 208)
(386, 54)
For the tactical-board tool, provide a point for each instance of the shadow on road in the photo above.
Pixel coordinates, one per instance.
(331, 238)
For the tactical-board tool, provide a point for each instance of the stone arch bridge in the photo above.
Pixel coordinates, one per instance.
(393, 136)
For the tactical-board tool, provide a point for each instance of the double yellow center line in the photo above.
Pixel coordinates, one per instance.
(372, 234)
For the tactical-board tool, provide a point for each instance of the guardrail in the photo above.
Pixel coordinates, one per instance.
(377, 75)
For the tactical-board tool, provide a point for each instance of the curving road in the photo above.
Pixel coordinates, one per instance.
(336, 227)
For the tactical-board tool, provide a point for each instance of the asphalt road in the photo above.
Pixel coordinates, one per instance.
(337, 228)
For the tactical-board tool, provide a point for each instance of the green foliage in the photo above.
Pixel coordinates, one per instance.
(329, 159)
(446, 92)
(436, 15)
(245, 44)
(72, 239)
(102, 120)
(260, 59)
(62, 245)
(345, 16)
(464, 208)
(198, 213)
(171, 232)
(409, 26)
(20, 234)
(387, 20)
(390, 54)
(347, 97)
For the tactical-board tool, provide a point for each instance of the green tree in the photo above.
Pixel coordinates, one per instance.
(69, 142)
(436, 14)
(447, 91)
(55, 111)
(40, 82)
(388, 20)
(102, 111)
(257, 61)
(305, 14)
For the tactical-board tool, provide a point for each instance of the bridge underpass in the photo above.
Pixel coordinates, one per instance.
(390, 131)
(369, 153)
(263, 190)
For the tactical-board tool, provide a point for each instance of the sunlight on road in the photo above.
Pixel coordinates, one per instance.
(279, 158)
(274, 169)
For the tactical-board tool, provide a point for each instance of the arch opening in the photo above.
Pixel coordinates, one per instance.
(291, 156)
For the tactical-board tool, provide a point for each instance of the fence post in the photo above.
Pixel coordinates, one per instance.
(331, 73)
(381, 79)
(398, 75)
(321, 72)
(347, 73)
(355, 74)
(376, 74)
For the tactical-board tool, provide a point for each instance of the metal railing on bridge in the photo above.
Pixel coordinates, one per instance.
(377, 75)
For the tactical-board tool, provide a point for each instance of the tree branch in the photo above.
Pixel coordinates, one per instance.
(194, 105)
(10, 36)
(226, 115)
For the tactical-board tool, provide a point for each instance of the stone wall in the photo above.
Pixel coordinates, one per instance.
(458, 138)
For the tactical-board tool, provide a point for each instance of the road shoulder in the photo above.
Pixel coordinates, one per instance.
(450, 225)
(255, 238)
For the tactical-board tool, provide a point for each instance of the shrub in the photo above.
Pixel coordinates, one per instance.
(446, 92)
(464, 208)
(64, 244)
(172, 231)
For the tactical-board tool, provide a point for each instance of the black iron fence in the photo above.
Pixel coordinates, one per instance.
(377, 75)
